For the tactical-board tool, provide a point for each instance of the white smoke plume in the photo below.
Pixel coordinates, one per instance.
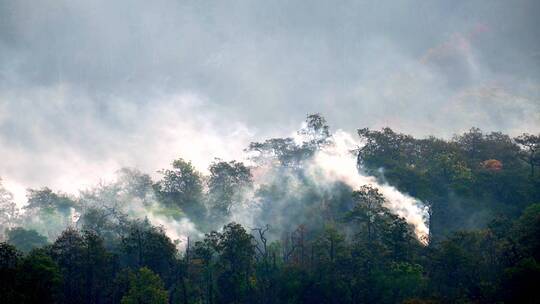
(332, 163)
(177, 230)
(177, 227)
(336, 162)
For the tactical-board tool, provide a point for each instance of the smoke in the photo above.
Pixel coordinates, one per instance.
(287, 197)
(313, 189)
(178, 229)
(337, 163)
(89, 87)
(131, 193)
(73, 145)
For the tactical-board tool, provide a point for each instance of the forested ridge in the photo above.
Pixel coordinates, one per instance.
(280, 230)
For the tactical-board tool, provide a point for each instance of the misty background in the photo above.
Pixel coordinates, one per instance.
(88, 87)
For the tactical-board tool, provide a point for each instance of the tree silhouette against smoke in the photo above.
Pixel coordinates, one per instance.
(317, 217)
(8, 210)
(183, 188)
(531, 151)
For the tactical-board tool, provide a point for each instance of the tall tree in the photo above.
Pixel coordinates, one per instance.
(147, 246)
(367, 211)
(134, 183)
(99, 267)
(530, 153)
(68, 252)
(288, 152)
(48, 212)
(40, 279)
(237, 252)
(145, 287)
(9, 212)
(9, 260)
(182, 187)
(206, 251)
(315, 131)
(227, 183)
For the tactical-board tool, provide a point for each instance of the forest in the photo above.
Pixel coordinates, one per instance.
(317, 217)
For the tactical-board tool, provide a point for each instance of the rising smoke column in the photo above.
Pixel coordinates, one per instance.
(331, 163)
(336, 162)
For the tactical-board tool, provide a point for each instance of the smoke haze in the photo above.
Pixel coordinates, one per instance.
(89, 87)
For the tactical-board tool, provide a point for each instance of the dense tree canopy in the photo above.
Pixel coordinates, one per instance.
(312, 241)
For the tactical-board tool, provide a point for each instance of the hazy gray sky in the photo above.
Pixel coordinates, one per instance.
(89, 86)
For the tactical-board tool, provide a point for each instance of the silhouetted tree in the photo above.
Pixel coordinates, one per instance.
(226, 186)
(530, 153)
(182, 187)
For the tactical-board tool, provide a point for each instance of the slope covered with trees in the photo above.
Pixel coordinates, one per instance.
(276, 231)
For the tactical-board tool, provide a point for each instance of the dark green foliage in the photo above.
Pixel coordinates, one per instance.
(182, 187)
(227, 260)
(520, 282)
(330, 244)
(145, 287)
(34, 278)
(531, 150)
(466, 180)
(68, 252)
(526, 232)
(148, 246)
(85, 261)
(378, 261)
(40, 279)
(25, 240)
(9, 260)
(99, 268)
(236, 257)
